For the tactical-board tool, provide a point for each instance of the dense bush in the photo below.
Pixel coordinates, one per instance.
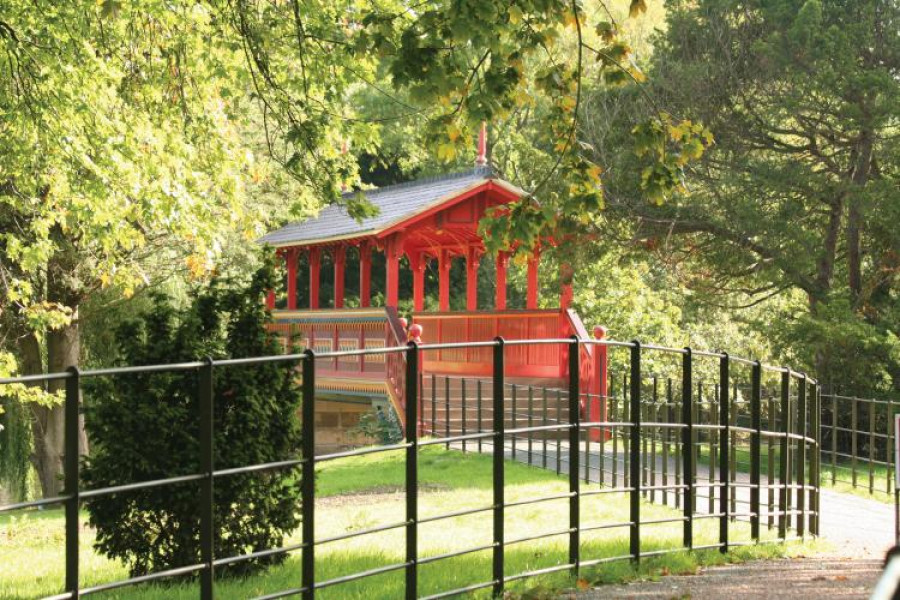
(145, 426)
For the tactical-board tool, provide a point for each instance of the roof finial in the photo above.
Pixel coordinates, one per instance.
(481, 159)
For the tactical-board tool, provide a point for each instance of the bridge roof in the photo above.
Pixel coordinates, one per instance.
(396, 204)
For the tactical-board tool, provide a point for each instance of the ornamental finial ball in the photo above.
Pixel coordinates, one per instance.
(599, 332)
(415, 332)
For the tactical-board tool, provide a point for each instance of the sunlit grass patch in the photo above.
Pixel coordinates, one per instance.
(359, 493)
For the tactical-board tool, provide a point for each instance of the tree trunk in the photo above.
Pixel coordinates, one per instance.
(860, 177)
(48, 426)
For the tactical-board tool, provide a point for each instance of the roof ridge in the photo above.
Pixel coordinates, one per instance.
(487, 171)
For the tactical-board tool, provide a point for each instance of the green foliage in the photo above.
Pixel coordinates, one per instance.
(788, 209)
(15, 447)
(145, 426)
(379, 425)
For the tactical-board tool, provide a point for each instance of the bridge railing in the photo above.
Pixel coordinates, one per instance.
(631, 423)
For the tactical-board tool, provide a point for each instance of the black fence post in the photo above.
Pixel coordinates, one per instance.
(635, 451)
(783, 470)
(724, 439)
(479, 411)
(801, 458)
(574, 434)
(207, 499)
(72, 455)
(433, 431)
(447, 410)
(755, 447)
(308, 481)
(815, 473)
(687, 444)
(499, 433)
(465, 408)
(412, 471)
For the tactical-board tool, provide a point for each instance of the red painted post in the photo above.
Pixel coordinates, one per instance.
(270, 300)
(340, 263)
(444, 280)
(292, 257)
(531, 299)
(472, 260)
(500, 298)
(599, 388)
(418, 261)
(481, 159)
(415, 335)
(392, 251)
(315, 264)
(365, 274)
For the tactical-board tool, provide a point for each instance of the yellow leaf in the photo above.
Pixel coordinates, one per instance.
(453, 132)
(637, 7)
(515, 15)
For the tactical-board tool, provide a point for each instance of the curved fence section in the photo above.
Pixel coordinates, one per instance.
(721, 448)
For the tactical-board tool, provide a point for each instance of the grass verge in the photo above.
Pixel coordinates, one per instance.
(363, 492)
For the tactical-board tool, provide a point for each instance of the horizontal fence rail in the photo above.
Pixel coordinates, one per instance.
(678, 441)
(858, 443)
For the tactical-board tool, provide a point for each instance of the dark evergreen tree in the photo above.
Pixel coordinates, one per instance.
(145, 426)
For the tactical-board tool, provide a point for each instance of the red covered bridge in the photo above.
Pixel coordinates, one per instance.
(432, 219)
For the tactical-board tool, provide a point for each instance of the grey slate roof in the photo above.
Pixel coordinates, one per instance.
(396, 203)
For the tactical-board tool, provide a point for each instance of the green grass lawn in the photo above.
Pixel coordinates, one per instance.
(363, 492)
(875, 474)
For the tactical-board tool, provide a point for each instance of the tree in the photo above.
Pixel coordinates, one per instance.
(797, 193)
(451, 66)
(129, 131)
(120, 152)
(145, 427)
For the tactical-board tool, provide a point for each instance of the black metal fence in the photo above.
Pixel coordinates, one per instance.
(858, 443)
(619, 451)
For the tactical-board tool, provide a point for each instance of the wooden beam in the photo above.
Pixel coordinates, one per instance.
(472, 259)
(340, 263)
(315, 264)
(365, 274)
(392, 251)
(444, 262)
(292, 257)
(418, 261)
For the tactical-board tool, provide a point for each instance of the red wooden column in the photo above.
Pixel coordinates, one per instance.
(292, 257)
(472, 259)
(566, 273)
(315, 264)
(392, 251)
(502, 264)
(531, 298)
(340, 263)
(444, 262)
(418, 261)
(365, 273)
(599, 390)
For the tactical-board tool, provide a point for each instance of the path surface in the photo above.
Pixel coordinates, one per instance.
(861, 531)
(776, 579)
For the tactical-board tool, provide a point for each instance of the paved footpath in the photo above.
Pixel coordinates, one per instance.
(860, 530)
